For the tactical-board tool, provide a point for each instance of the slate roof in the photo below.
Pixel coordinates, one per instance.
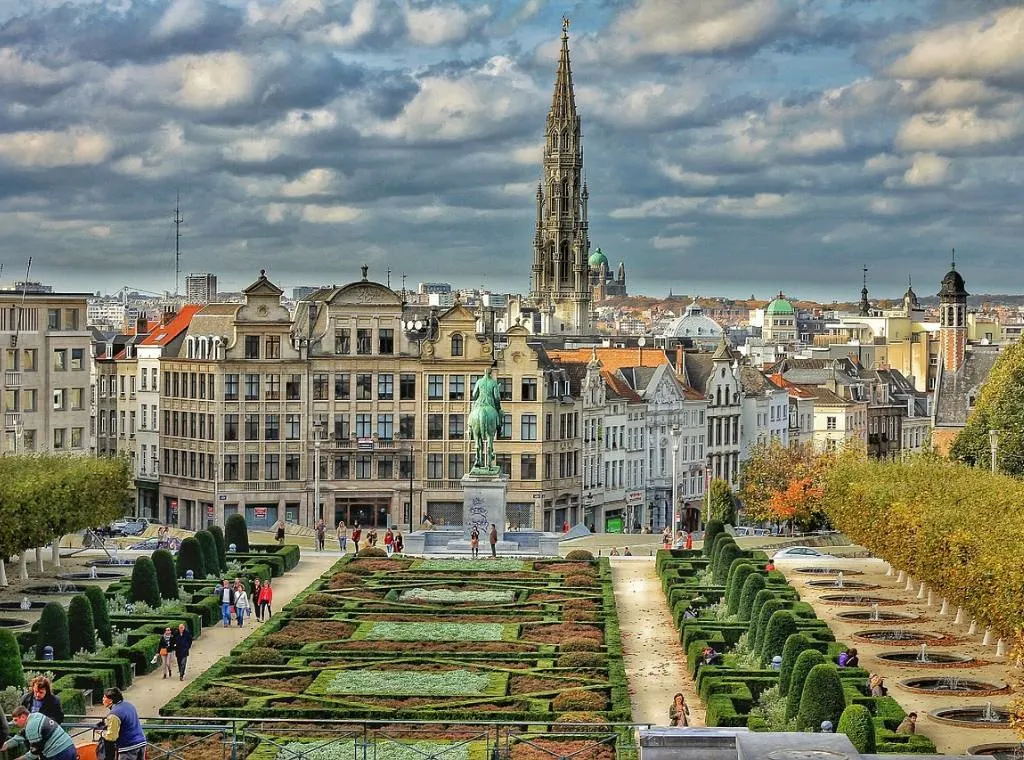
(754, 382)
(954, 391)
(619, 387)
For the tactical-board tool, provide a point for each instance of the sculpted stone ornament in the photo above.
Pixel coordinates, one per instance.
(483, 424)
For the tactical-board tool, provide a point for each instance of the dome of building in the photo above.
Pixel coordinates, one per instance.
(694, 324)
(597, 258)
(953, 284)
(779, 306)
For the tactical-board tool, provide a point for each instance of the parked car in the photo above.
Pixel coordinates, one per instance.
(124, 527)
(799, 553)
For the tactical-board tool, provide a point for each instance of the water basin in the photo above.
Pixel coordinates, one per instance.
(860, 600)
(91, 575)
(973, 717)
(33, 604)
(57, 588)
(826, 571)
(6, 622)
(1000, 750)
(901, 637)
(927, 659)
(835, 583)
(879, 616)
(116, 562)
(966, 687)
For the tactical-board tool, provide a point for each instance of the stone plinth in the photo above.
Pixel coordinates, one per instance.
(484, 500)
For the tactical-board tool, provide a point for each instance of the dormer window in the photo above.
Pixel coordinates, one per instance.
(458, 345)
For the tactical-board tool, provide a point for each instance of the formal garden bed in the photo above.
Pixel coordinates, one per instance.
(452, 640)
(752, 616)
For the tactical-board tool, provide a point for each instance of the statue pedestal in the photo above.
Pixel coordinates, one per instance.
(484, 499)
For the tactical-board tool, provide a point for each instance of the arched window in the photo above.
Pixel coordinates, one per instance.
(457, 345)
(565, 139)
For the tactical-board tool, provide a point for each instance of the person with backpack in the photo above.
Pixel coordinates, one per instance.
(122, 728)
(41, 737)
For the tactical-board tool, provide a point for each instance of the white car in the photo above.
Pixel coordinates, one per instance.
(799, 553)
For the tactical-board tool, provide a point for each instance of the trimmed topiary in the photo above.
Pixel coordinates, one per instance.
(100, 614)
(741, 569)
(578, 660)
(190, 557)
(794, 645)
(762, 597)
(806, 660)
(166, 581)
(856, 723)
(579, 581)
(711, 530)
(11, 671)
(372, 551)
(821, 698)
(145, 587)
(53, 631)
(222, 548)
(310, 611)
(577, 555)
(764, 614)
(261, 656)
(579, 644)
(208, 546)
(81, 627)
(751, 586)
(579, 700)
(729, 553)
(720, 542)
(236, 532)
(781, 625)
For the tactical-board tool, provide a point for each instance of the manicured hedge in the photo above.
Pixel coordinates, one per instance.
(236, 532)
(794, 645)
(208, 547)
(711, 530)
(805, 661)
(166, 577)
(11, 671)
(751, 585)
(145, 587)
(53, 631)
(190, 557)
(100, 615)
(781, 625)
(821, 698)
(222, 548)
(81, 627)
(856, 723)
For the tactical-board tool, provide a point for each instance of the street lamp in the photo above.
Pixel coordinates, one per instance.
(410, 485)
(317, 508)
(993, 443)
(675, 480)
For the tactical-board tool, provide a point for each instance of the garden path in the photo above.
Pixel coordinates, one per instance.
(151, 692)
(654, 658)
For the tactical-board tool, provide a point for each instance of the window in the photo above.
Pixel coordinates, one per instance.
(143, 377)
(154, 383)
(406, 467)
(363, 464)
(53, 319)
(272, 347)
(505, 429)
(272, 427)
(456, 466)
(435, 466)
(252, 427)
(407, 426)
(435, 427)
(364, 344)
(456, 387)
(456, 427)
(547, 428)
(385, 427)
(435, 387)
(504, 463)
(77, 399)
(364, 387)
(292, 466)
(145, 415)
(386, 468)
(231, 467)
(505, 388)
(292, 427)
(528, 466)
(406, 387)
(252, 466)
(830, 423)
(528, 427)
(272, 388)
(293, 388)
(385, 386)
(59, 399)
(342, 466)
(71, 319)
(364, 425)
(321, 386)
(153, 420)
(272, 467)
(76, 358)
(386, 341)
(458, 345)
(59, 438)
(342, 386)
(528, 389)
(252, 387)
(77, 434)
(342, 342)
(341, 427)
(231, 387)
(252, 346)
(60, 359)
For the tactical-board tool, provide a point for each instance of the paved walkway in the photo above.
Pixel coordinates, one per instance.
(654, 658)
(150, 692)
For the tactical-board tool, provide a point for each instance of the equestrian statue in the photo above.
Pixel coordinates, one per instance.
(484, 418)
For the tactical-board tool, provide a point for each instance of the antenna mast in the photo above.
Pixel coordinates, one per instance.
(178, 221)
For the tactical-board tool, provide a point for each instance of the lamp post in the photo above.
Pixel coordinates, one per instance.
(410, 485)
(317, 509)
(993, 442)
(675, 480)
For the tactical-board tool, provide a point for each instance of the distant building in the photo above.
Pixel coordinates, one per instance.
(604, 283)
(27, 286)
(302, 292)
(431, 288)
(106, 314)
(201, 288)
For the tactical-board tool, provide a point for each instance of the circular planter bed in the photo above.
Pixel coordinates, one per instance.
(965, 687)
(899, 637)
(859, 600)
(973, 717)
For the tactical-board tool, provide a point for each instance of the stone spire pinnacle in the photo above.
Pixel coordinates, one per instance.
(563, 100)
(865, 306)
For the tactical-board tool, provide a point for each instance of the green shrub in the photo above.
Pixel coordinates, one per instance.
(100, 614)
(218, 697)
(222, 548)
(579, 700)
(372, 551)
(145, 587)
(577, 555)
(821, 698)
(768, 609)
(582, 717)
(760, 599)
(720, 541)
(781, 625)
(53, 631)
(581, 660)
(806, 660)
(728, 553)
(311, 611)
(211, 563)
(578, 644)
(856, 723)
(190, 557)
(81, 627)
(580, 581)
(261, 656)
(751, 585)
(794, 645)
(323, 600)
(11, 671)
(711, 530)
(236, 532)
(738, 574)
(163, 561)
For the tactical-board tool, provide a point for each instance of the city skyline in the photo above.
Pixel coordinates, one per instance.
(790, 143)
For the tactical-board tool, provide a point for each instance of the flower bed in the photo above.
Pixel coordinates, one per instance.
(416, 631)
(411, 683)
(346, 749)
(472, 565)
(456, 595)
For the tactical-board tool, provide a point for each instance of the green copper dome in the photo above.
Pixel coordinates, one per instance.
(597, 258)
(779, 306)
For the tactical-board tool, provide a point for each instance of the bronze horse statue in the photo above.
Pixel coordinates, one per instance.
(484, 418)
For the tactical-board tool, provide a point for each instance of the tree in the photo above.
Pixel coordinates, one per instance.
(799, 502)
(145, 587)
(222, 548)
(858, 726)
(770, 471)
(166, 579)
(100, 614)
(209, 548)
(53, 632)
(728, 554)
(821, 698)
(11, 671)
(734, 589)
(721, 502)
(805, 661)
(190, 557)
(237, 532)
(81, 626)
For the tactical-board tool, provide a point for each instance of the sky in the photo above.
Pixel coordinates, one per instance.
(732, 147)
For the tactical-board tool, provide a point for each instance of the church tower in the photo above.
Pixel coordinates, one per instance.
(560, 282)
(864, 309)
(953, 320)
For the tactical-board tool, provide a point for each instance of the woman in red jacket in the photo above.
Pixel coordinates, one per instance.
(389, 542)
(265, 598)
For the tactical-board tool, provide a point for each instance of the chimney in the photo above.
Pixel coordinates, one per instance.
(168, 315)
(679, 360)
(141, 324)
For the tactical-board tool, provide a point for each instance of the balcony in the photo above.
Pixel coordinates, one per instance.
(444, 485)
(12, 379)
(12, 419)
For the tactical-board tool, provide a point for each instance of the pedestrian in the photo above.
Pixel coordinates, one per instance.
(227, 601)
(40, 699)
(279, 532)
(908, 725)
(41, 737)
(679, 712)
(182, 647)
(357, 533)
(122, 727)
(371, 537)
(241, 604)
(626, 552)
(769, 566)
(877, 685)
(266, 597)
(5, 731)
(321, 534)
(492, 539)
(666, 538)
(166, 651)
(678, 543)
(389, 542)
(399, 541)
(565, 526)
(342, 536)
(614, 552)
(474, 542)
(257, 587)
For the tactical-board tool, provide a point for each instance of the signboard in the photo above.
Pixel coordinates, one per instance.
(223, 497)
(260, 513)
(210, 511)
(365, 444)
(539, 495)
(634, 497)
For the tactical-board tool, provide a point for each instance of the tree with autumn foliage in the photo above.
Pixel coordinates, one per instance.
(783, 483)
(799, 503)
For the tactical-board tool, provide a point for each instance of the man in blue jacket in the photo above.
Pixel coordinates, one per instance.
(182, 646)
(45, 738)
(122, 727)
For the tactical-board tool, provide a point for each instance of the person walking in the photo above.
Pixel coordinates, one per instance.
(342, 536)
(321, 534)
(389, 542)
(122, 727)
(242, 607)
(371, 537)
(474, 542)
(492, 538)
(279, 532)
(182, 647)
(41, 737)
(40, 699)
(357, 533)
(679, 712)
(399, 541)
(689, 541)
(227, 601)
(166, 651)
(266, 597)
(254, 597)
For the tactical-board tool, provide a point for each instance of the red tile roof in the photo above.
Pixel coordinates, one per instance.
(613, 358)
(163, 335)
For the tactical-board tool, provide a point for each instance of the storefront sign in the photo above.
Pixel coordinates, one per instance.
(260, 513)
(210, 511)
(634, 497)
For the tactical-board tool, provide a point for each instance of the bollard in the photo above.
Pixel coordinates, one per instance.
(777, 662)
(921, 591)
(232, 548)
(987, 638)
(47, 652)
(959, 619)
(945, 607)
(900, 577)
(972, 628)
(1000, 648)
(190, 575)
(910, 584)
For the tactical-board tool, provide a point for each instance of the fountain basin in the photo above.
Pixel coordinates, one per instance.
(965, 687)
(972, 717)
(899, 637)
(120, 562)
(1005, 750)
(99, 575)
(34, 604)
(860, 600)
(931, 659)
(6, 622)
(826, 571)
(61, 588)
(879, 616)
(829, 583)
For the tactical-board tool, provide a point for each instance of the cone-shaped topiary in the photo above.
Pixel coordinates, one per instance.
(720, 541)
(712, 529)
(741, 568)
(81, 627)
(751, 586)
(190, 557)
(806, 660)
(53, 631)
(781, 625)
(222, 548)
(165, 577)
(764, 614)
(208, 546)
(794, 645)
(760, 598)
(856, 723)
(821, 698)
(726, 556)
(100, 614)
(145, 587)
(11, 671)
(237, 532)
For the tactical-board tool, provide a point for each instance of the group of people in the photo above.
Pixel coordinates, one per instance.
(474, 541)
(394, 543)
(176, 644)
(615, 552)
(234, 599)
(681, 540)
(166, 540)
(40, 736)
